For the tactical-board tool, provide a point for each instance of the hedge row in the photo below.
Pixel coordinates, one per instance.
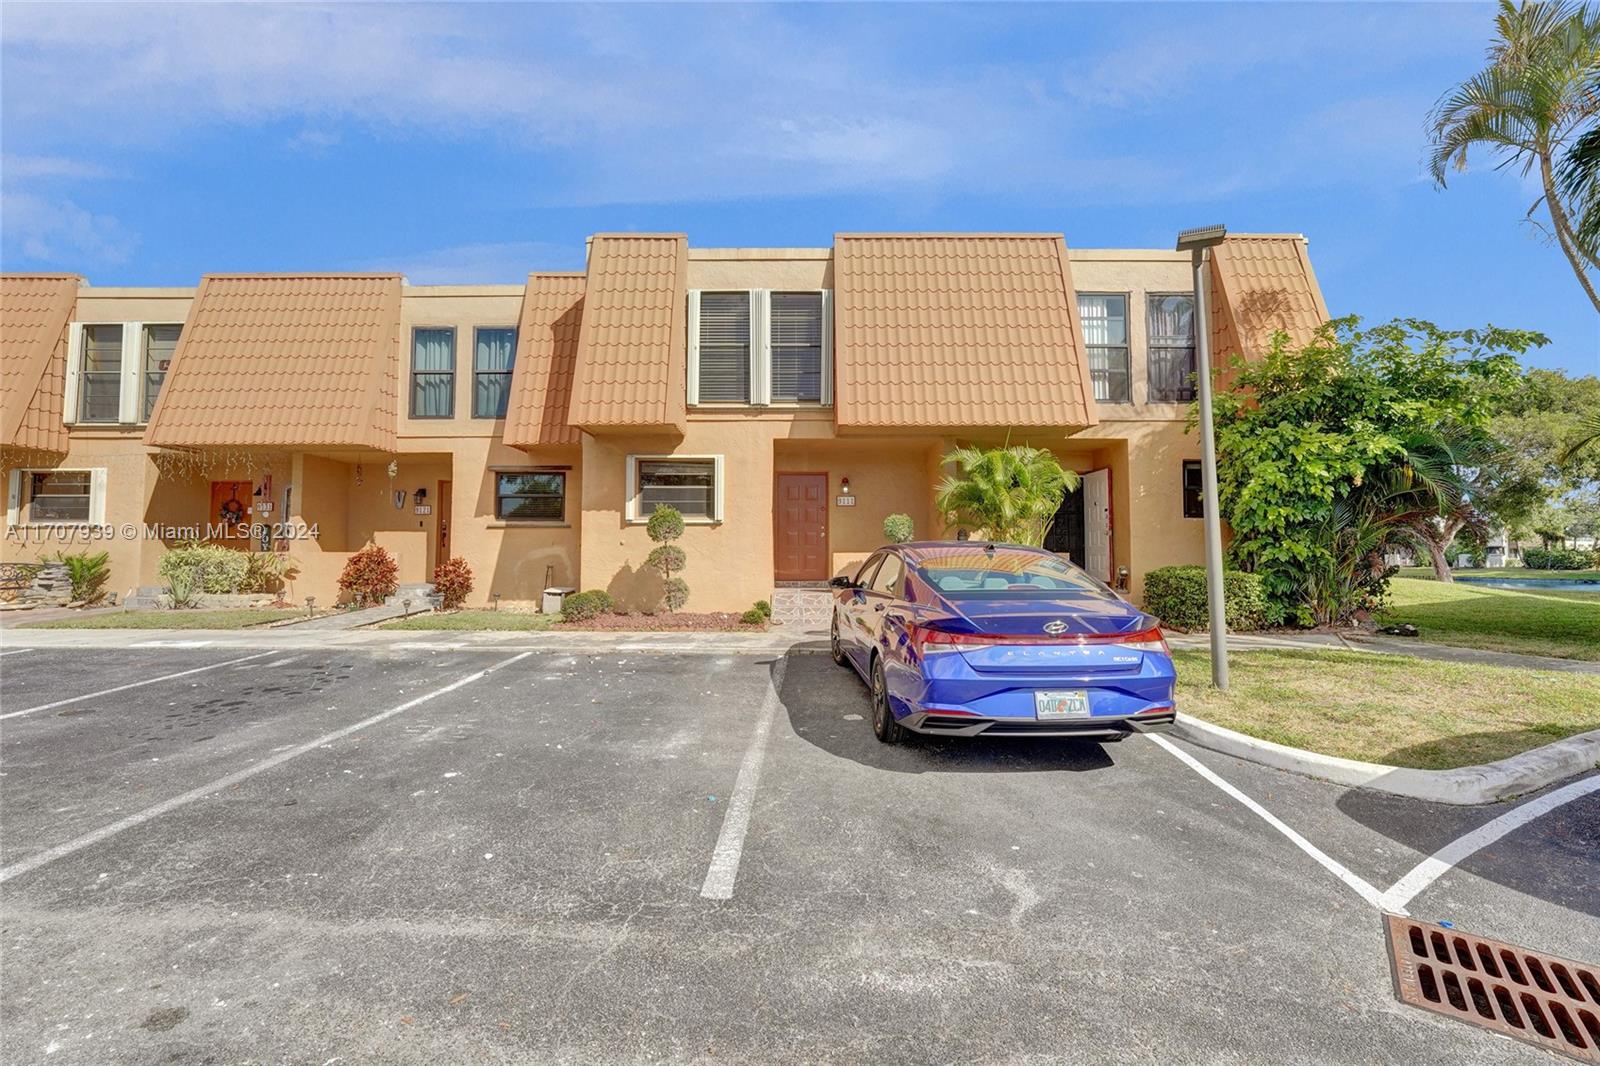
(1557, 559)
(1177, 596)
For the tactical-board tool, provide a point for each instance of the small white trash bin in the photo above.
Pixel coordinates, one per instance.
(553, 598)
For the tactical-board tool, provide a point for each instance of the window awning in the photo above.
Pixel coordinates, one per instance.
(547, 348)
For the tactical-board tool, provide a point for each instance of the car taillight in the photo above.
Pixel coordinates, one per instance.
(929, 640)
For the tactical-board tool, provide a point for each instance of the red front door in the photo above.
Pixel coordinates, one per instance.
(800, 533)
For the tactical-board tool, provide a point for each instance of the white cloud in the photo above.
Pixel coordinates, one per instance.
(56, 230)
(20, 168)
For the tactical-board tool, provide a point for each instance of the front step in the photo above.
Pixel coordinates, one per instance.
(420, 593)
(808, 609)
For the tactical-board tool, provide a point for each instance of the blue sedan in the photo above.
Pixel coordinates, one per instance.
(968, 639)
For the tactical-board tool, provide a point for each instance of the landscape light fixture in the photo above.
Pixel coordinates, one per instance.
(1198, 242)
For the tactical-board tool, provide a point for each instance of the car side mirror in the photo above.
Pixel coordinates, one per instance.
(841, 583)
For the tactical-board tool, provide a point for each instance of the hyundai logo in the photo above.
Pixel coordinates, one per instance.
(1055, 628)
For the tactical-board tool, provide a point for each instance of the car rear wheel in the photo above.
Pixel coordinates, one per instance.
(835, 645)
(884, 727)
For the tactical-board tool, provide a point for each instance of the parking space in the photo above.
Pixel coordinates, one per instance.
(413, 855)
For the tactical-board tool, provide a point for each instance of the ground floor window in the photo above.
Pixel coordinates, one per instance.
(55, 497)
(531, 495)
(1193, 494)
(691, 484)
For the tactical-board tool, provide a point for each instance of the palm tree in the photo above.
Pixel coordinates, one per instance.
(1524, 107)
(1010, 494)
(1588, 436)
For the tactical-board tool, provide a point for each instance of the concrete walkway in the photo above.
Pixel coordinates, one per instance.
(1386, 646)
(367, 616)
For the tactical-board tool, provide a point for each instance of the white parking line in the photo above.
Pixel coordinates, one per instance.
(133, 684)
(1440, 862)
(1362, 888)
(724, 868)
(33, 862)
(14, 651)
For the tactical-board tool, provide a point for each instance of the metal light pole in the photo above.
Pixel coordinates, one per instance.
(1199, 242)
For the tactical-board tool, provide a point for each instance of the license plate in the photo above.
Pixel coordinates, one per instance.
(1049, 705)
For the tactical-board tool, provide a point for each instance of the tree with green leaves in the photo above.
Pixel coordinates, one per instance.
(1009, 494)
(1357, 441)
(1528, 108)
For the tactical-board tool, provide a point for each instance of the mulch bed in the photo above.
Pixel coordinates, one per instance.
(678, 621)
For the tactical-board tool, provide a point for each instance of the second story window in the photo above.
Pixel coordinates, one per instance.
(433, 373)
(1105, 335)
(1171, 345)
(796, 332)
(159, 344)
(100, 380)
(724, 371)
(493, 352)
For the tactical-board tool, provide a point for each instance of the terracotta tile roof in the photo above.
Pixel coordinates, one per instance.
(34, 312)
(954, 330)
(547, 347)
(631, 347)
(284, 360)
(1262, 283)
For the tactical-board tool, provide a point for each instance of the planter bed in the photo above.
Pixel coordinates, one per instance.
(678, 621)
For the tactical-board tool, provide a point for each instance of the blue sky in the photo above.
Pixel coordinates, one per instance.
(146, 145)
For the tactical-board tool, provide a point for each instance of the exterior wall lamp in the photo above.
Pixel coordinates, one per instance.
(844, 486)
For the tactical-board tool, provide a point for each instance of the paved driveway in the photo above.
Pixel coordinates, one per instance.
(440, 853)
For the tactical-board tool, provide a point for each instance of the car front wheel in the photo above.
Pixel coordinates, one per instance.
(884, 727)
(835, 645)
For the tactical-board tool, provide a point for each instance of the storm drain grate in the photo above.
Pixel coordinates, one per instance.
(1541, 999)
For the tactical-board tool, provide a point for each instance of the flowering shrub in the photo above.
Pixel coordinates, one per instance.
(452, 579)
(371, 575)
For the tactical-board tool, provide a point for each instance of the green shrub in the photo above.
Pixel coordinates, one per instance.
(210, 567)
(452, 580)
(582, 606)
(266, 571)
(753, 617)
(1177, 596)
(764, 607)
(898, 529)
(181, 586)
(88, 574)
(1555, 559)
(664, 527)
(370, 575)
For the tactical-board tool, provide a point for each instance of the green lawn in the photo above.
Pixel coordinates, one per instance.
(239, 618)
(1390, 709)
(1559, 623)
(512, 620)
(1426, 573)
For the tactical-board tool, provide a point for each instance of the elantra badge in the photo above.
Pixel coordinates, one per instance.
(1055, 628)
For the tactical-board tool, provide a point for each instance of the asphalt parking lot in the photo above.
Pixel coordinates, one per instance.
(415, 855)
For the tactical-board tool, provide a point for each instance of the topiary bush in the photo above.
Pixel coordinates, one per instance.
(582, 606)
(210, 567)
(1555, 559)
(898, 529)
(1177, 596)
(664, 527)
(452, 580)
(371, 575)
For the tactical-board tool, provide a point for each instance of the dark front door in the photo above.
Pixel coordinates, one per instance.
(442, 517)
(1066, 531)
(800, 527)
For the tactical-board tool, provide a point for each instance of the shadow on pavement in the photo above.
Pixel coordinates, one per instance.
(1469, 749)
(828, 706)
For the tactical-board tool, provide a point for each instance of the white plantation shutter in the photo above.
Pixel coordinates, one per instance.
(693, 376)
(69, 402)
(13, 498)
(722, 371)
(97, 496)
(796, 333)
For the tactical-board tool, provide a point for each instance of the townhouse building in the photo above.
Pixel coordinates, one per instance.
(786, 400)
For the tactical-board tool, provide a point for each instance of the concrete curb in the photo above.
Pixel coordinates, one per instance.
(1465, 786)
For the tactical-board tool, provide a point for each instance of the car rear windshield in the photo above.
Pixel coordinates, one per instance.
(978, 574)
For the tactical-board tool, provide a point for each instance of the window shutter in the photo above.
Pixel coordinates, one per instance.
(131, 398)
(69, 397)
(97, 494)
(723, 335)
(760, 347)
(694, 347)
(13, 499)
(630, 506)
(827, 346)
(717, 488)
